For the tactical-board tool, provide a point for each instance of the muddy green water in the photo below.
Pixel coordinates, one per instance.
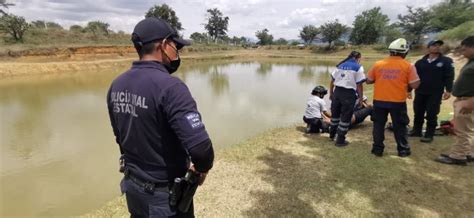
(58, 156)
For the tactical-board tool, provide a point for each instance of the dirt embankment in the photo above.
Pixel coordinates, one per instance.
(67, 52)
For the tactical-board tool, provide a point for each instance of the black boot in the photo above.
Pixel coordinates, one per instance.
(341, 141)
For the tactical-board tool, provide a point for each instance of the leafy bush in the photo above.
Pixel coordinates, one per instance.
(460, 32)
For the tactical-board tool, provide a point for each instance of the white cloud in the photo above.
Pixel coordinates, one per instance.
(284, 18)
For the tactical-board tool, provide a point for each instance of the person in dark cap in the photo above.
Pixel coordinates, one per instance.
(436, 73)
(156, 123)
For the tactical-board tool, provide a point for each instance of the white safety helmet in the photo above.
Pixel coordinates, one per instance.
(400, 45)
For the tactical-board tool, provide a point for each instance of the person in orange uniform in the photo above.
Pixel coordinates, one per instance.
(392, 78)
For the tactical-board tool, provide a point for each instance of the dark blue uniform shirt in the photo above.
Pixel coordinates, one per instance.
(436, 76)
(155, 121)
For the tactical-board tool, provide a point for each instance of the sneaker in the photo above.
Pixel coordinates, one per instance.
(343, 144)
(414, 133)
(426, 139)
(448, 160)
(404, 153)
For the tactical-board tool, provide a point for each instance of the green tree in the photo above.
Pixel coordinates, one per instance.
(41, 24)
(309, 33)
(199, 37)
(391, 33)
(332, 31)
(53, 25)
(15, 26)
(216, 24)
(415, 23)
(281, 41)
(97, 28)
(368, 26)
(237, 40)
(451, 13)
(4, 4)
(166, 13)
(264, 37)
(76, 28)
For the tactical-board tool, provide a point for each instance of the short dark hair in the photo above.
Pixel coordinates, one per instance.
(144, 49)
(469, 41)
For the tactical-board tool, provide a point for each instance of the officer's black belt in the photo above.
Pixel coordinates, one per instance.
(149, 187)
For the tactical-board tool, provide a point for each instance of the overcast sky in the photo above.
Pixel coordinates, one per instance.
(284, 18)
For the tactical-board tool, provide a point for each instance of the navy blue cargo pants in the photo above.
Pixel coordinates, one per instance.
(429, 104)
(342, 108)
(144, 204)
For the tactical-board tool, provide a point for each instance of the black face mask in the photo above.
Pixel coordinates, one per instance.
(174, 64)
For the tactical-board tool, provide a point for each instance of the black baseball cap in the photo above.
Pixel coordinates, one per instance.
(151, 29)
(440, 42)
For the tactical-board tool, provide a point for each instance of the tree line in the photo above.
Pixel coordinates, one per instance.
(369, 27)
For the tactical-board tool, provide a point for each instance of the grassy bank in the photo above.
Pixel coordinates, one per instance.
(285, 172)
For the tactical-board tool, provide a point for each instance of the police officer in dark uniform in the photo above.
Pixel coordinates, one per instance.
(436, 73)
(156, 123)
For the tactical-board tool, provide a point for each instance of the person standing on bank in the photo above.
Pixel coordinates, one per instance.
(346, 85)
(156, 123)
(463, 151)
(392, 77)
(436, 73)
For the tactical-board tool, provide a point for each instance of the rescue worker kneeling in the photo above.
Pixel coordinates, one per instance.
(316, 112)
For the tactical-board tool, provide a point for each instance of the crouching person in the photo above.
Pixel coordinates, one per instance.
(316, 111)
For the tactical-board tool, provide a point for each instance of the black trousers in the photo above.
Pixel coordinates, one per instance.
(315, 125)
(143, 204)
(400, 121)
(429, 104)
(360, 115)
(342, 108)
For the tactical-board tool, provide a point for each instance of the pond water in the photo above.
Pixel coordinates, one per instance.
(58, 155)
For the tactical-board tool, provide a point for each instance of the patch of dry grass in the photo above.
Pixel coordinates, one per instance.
(285, 172)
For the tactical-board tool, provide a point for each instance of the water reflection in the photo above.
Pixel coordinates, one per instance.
(264, 69)
(219, 82)
(58, 155)
(312, 74)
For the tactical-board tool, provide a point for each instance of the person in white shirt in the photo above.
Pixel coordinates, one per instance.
(316, 111)
(346, 85)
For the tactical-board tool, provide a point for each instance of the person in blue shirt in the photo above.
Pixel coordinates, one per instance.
(361, 111)
(436, 73)
(346, 85)
(156, 123)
